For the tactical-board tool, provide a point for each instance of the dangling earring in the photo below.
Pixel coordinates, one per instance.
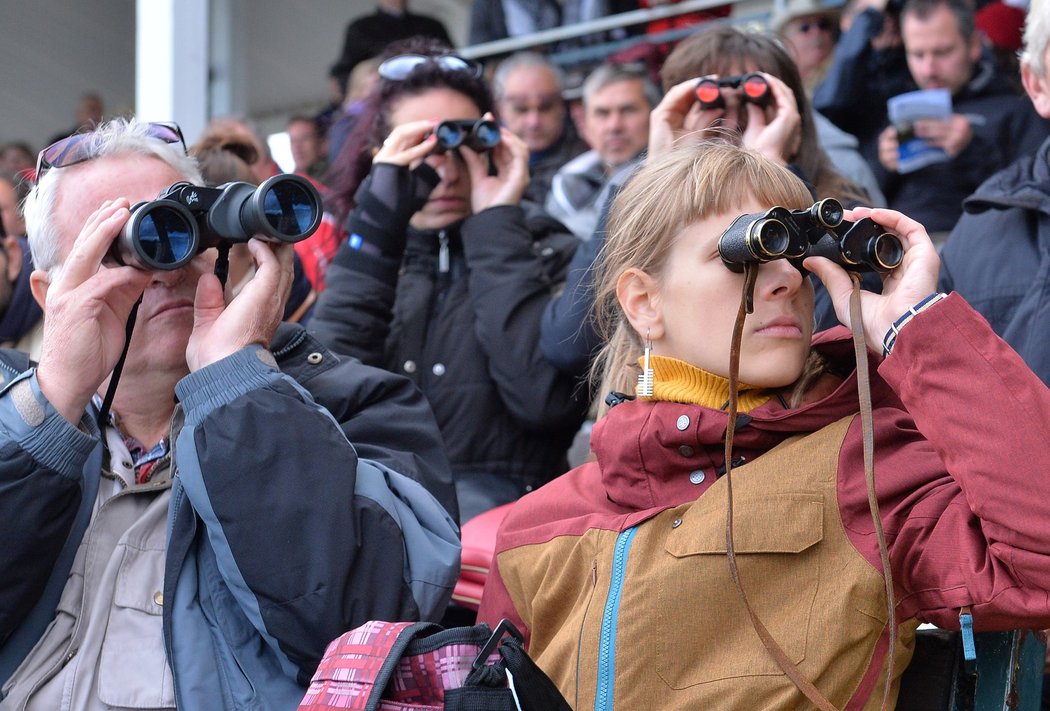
(645, 378)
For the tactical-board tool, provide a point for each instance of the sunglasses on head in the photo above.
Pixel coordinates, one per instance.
(77, 148)
(400, 67)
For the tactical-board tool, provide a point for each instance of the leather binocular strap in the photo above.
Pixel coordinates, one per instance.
(864, 387)
(860, 350)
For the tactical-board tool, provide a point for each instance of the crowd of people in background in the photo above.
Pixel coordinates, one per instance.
(501, 245)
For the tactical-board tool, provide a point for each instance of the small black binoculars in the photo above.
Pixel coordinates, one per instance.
(754, 89)
(478, 135)
(819, 231)
(185, 219)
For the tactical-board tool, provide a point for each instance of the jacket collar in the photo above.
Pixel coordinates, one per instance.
(428, 241)
(1024, 184)
(646, 450)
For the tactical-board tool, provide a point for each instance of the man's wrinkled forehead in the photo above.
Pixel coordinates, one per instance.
(83, 188)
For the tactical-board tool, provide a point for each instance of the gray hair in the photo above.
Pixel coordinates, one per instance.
(1036, 36)
(113, 138)
(607, 74)
(519, 60)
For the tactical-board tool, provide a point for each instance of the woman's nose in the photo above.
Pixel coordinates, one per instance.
(778, 278)
(450, 167)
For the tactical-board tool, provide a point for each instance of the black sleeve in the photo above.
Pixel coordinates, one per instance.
(568, 337)
(42, 463)
(37, 508)
(354, 312)
(509, 289)
(486, 21)
(376, 410)
(843, 95)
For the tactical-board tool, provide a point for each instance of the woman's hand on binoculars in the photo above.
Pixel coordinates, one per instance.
(510, 158)
(678, 115)
(777, 137)
(220, 330)
(905, 286)
(87, 311)
(408, 144)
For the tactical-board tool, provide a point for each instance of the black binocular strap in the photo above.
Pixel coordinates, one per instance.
(114, 378)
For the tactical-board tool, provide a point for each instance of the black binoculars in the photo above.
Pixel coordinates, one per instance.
(819, 231)
(755, 89)
(479, 135)
(185, 219)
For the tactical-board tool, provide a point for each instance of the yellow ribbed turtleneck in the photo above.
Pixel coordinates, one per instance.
(677, 381)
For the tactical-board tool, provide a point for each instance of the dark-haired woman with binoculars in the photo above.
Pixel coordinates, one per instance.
(443, 274)
(722, 551)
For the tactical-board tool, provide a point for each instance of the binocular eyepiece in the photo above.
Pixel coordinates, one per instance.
(185, 219)
(818, 231)
(479, 135)
(754, 89)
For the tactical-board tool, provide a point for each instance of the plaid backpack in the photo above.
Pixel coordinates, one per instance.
(410, 666)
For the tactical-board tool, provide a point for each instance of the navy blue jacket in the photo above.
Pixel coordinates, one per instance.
(998, 257)
(344, 461)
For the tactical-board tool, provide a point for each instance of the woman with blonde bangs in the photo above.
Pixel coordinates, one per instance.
(618, 571)
(667, 206)
(784, 130)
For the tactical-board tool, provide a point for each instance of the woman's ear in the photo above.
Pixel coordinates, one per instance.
(639, 297)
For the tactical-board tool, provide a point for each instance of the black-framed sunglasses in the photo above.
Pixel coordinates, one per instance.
(400, 67)
(76, 148)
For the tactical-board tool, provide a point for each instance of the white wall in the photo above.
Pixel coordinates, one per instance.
(275, 57)
(51, 52)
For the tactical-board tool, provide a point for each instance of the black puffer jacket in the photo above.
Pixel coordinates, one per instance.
(458, 311)
(998, 257)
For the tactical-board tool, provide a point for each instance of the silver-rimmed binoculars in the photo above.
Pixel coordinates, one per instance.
(818, 231)
(186, 219)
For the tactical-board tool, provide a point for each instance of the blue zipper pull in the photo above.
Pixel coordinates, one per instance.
(969, 648)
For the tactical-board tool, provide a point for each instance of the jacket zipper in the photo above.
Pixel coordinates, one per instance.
(583, 625)
(603, 699)
(443, 257)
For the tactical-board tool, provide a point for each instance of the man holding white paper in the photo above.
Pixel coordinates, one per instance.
(987, 128)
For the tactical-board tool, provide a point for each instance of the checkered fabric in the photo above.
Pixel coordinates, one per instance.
(370, 662)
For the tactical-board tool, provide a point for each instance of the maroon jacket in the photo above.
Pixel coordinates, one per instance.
(962, 457)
